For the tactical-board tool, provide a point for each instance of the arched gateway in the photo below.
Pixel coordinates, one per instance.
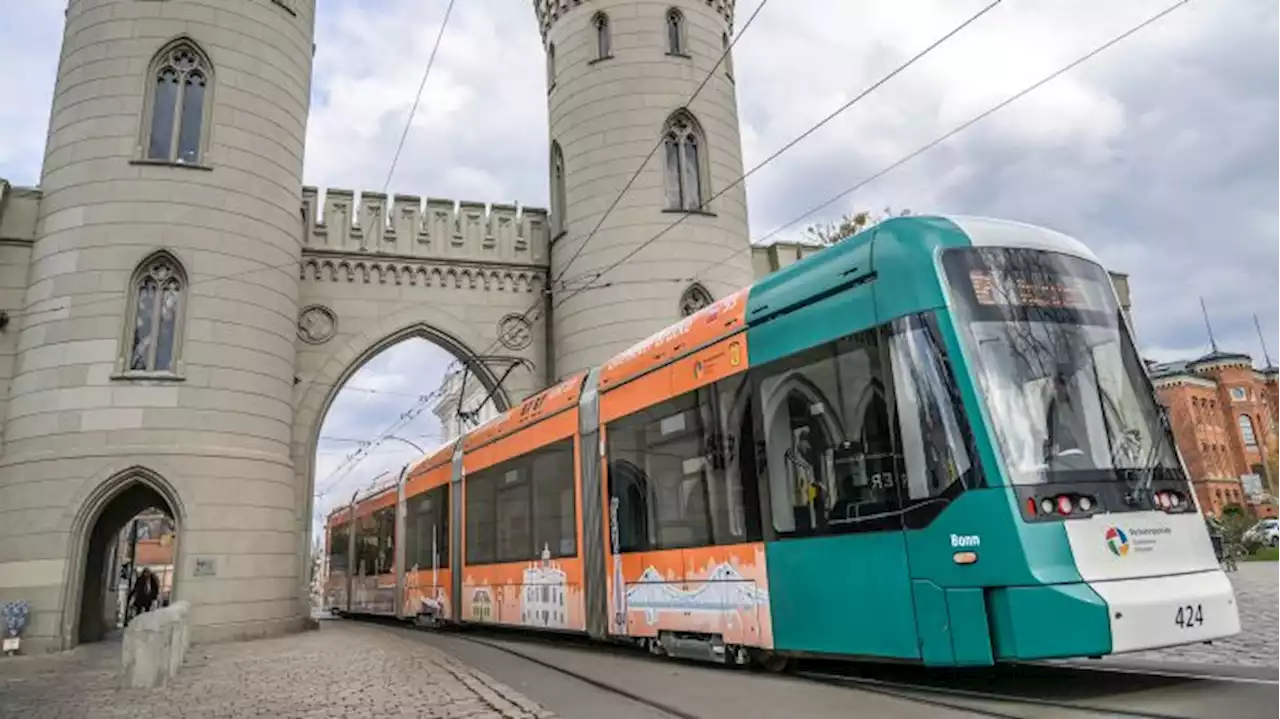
(192, 309)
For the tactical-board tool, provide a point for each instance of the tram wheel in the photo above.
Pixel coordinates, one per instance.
(772, 662)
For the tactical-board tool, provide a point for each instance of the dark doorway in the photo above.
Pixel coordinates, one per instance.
(135, 530)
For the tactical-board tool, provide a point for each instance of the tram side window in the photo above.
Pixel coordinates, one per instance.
(366, 545)
(481, 540)
(338, 539)
(385, 522)
(520, 507)
(555, 520)
(938, 455)
(426, 529)
(732, 452)
(514, 509)
(830, 439)
(673, 474)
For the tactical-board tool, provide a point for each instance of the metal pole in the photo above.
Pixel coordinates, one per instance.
(133, 567)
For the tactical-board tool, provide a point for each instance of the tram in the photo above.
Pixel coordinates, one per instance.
(933, 442)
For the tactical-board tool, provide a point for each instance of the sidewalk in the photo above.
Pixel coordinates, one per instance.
(344, 669)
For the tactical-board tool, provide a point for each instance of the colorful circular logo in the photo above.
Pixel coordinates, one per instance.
(1117, 541)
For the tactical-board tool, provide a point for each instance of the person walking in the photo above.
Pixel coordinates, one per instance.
(144, 591)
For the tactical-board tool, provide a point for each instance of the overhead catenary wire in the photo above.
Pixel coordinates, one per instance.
(972, 121)
(352, 460)
(943, 138)
(778, 153)
(408, 123)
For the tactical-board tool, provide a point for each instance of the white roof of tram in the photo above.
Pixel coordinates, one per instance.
(991, 232)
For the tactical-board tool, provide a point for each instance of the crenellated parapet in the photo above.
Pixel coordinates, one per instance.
(408, 228)
(549, 11)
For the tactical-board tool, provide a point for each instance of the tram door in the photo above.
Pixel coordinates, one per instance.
(837, 560)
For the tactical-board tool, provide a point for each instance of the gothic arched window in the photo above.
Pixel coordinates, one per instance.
(604, 41)
(1246, 432)
(551, 66)
(728, 56)
(695, 298)
(178, 109)
(156, 309)
(558, 198)
(685, 161)
(675, 32)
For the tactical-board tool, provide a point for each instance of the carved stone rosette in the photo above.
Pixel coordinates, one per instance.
(317, 324)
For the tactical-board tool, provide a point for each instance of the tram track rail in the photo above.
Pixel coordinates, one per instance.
(908, 690)
(966, 701)
(663, 707)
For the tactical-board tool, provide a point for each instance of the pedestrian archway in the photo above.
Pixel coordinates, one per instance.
(130, 525)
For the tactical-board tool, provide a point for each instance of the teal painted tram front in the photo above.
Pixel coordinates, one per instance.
(965, 462)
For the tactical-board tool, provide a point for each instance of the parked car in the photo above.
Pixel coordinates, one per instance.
(1266, 532)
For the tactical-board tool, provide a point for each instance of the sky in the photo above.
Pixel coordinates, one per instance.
(1160, 153)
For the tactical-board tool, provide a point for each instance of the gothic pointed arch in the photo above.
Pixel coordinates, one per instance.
(178, 110)
(559, 202)
(102, 509)
(695, 298)
(685, 165)
(155, 324)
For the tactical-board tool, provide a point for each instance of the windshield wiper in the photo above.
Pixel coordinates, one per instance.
(1147, 471)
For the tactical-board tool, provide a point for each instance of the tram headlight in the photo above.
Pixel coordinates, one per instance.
(1086, 504)
(1046, 505)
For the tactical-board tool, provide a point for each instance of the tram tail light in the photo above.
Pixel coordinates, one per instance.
(1170, 501)
(1064, 505)
(965, 557)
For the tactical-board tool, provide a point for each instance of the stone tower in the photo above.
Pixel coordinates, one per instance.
(156, 348)
(619, 76)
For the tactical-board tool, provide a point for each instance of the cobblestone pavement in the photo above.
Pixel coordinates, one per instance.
(1257, 586)
(344, 669)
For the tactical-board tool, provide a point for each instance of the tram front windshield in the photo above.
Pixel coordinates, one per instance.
(1063, 385)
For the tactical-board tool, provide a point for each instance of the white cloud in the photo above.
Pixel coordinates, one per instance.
(1160, 152)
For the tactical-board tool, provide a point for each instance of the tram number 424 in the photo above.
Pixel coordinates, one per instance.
(1189, 617)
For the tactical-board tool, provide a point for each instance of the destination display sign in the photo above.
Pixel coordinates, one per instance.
(1048, 292)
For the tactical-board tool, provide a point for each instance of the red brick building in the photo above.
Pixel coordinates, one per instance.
(1223, 412)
